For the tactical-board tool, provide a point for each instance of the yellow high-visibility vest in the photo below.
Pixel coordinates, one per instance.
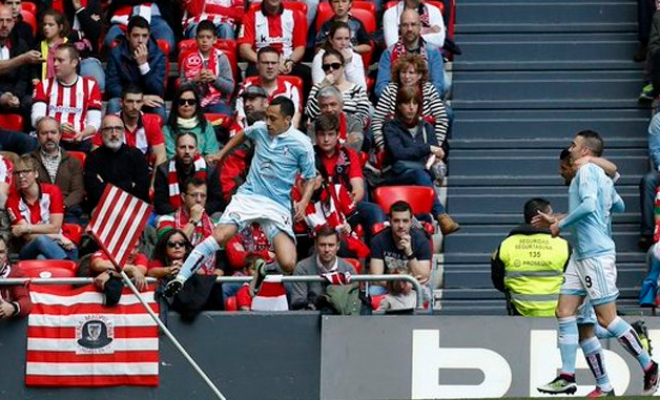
(533, 271)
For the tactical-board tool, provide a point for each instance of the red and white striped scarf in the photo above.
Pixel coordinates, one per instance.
(331, 209)
(271, 296)
(399, 50)
(193, 64)
(173, 178)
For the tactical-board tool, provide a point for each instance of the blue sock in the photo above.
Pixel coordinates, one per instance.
(197, 257)
(568, 344)
(602, 333)
(593, 353)
(628, 338)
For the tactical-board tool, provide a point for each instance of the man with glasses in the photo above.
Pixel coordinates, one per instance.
(115, 163)
(58, 167)
(73, 100)
(37, 211)
(410, 42)
(269, 79)
(192, 219)
(172, 177)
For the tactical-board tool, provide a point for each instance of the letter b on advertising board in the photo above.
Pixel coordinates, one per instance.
(429, 359)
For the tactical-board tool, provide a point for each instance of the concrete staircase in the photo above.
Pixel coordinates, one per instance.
(531, 75)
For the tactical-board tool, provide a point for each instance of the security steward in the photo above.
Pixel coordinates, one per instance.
(529, 264)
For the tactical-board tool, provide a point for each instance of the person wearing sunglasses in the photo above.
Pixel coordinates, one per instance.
(186, 115)
(192, 219)
(356, 101)
(37, 211)
(339, 38)
(169, 254)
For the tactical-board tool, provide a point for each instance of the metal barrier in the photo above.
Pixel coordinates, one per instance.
(235, 279)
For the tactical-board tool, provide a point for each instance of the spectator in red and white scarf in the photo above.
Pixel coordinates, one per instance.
(331, 206)
(433, 25)
(172, 176)
(208, 69)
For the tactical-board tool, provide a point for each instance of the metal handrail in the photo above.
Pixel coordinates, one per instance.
(235, 279)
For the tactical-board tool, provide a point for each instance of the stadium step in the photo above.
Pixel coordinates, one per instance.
(532, 75)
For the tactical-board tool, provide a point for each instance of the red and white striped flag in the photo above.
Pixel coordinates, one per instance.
(74, 340)
(118, 221)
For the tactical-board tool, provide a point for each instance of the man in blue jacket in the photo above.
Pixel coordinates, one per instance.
(410, 42)
(137, 60)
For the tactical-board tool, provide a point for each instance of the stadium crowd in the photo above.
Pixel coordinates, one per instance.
(87, 99)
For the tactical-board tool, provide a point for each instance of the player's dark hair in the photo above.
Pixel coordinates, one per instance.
(327, 231)
(533, 206)
(286, 106)
(206, 25)
(400, 206)
(565, 155)
(325, 123)
(592, 141)
(137, 22)
(131, 89)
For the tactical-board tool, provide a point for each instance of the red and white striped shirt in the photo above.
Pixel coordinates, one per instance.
(124, 14)
(284, 89)
(216, 11)
(78, 104)
(284, 31)
(50, 202)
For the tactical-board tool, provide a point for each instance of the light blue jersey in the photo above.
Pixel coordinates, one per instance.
(591, 199)
(276, 163)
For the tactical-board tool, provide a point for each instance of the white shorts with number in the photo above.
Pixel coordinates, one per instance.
(593, 277)
(244, 209)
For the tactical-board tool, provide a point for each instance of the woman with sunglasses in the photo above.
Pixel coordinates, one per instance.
(356, 101)
(339, 38)
(186, 116)
(411, 71)
(36, 211)
(169, 254)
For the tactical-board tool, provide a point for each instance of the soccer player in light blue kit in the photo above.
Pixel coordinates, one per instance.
(281, 153)
(591, 273)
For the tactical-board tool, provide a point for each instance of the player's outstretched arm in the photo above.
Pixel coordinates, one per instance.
(237, 140)
(609, 167)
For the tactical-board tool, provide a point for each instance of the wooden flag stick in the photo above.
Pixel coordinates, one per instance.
(160, 323)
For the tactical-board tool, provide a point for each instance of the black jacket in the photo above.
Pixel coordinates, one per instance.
(17, 81)
(214, 201)
(125, 168)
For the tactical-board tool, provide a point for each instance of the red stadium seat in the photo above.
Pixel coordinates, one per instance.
(11, 122)
(80, 155)
(73, 232)
(228, 46)
(39, 265)
(58, 5)
(420, 198)
(230, 304)
(31, 20)
(29, 7)
(46, 271)
(355, 263)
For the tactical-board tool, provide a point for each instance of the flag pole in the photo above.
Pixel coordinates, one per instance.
(160, 323)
